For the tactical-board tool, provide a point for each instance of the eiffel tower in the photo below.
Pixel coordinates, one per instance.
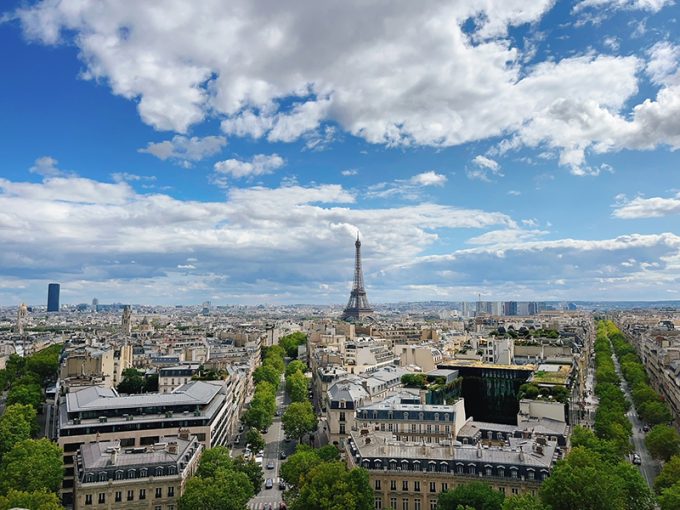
(357, 306)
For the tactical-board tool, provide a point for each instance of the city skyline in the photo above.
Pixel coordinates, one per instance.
(515, 152)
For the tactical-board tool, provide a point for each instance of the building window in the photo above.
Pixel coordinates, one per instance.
(471, 470)
(433, 505)
(416, 486)
(171, 491)
(406, 416)
(530, 475)
(416, 504)
(404, 504)
(433, 487)
(119, 496)
(377, 485)
(342, 416)
(488, 471)
(119, 474)
(461, 469)
(501, 472)
(393, 503)
(436, 416)
(378, 503)
(445, 487)
(513, 473)
(88, 499)
(158, 507)
(342, 428)
(159, 471)
(143, 473)
(131, 473)
(102, 497)
(159, 492)
(515, 490)
(142, 493)
(393, 485)
(131, 495)
(404, 485)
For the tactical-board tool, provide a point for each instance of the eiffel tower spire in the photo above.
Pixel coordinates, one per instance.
(357, 306)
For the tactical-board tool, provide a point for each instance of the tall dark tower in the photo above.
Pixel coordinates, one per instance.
(53, 297)
(357, 306)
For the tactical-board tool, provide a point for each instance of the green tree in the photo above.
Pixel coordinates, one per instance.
(608, 450)
(523, 502)
(32, 465)
(254, 439)
(297, 387)
(45, 363)
(478, 495)
(582, 481)
(670, 474)
(328, 453)
(299, 419)
(295, 366)
(227, 490)
(15, 366)
(252, 470)
(29, 394)
(15, 426)
(330, 486)
(36, 500)
(299, 465)
(670, 498)
(636, 493)
(654, 412)
(663, 441)
(132, 382)
(290, 343)
(214, 459)
(414, 380)
(266, 373)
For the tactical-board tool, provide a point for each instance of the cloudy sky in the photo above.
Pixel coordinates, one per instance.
(173, 151)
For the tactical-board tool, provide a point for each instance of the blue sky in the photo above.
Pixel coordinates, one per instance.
(175, 153)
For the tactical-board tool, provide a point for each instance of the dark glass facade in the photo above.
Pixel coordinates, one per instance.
(53, 297)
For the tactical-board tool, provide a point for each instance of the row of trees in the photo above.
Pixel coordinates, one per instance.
(663, 441)
(222, 482)
(611, 422)
(31, 470)
(260, 414)
(299, 418)
(648, 403)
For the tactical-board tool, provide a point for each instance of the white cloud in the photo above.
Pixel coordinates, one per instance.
(47, 167)
(409, 77)
(514, 235)
(128, 177)
(349, 172)
(644, 5)
(260, 164)
(664, 63)
(430, 178)
(640, 207)
(185, 150)
(483, 168)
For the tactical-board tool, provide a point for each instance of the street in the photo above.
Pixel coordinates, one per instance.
(275, 443)
(649, 468)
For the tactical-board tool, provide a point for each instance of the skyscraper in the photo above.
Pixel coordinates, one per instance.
(53, 297)
(357, 306)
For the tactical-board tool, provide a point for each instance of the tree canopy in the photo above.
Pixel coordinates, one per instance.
(523, 502)
(331, 486)
(36, 500)
(32, 465)
(15, 426)
(297, 386)
(663, 442)
(290, 343)
(477, 495)
(227, 490)
(670, 474)
(299, 419)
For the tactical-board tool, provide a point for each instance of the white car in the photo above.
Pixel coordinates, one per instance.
(259, 459)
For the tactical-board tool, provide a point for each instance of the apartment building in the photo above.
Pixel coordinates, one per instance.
(205, 408)
(153, 477)
(411, 475)
(170, 378)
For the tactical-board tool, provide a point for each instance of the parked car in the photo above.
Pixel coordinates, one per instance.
(636, 459)
(282, 485)
(646, 428)
(270, 464)
(282, 455)
(258, 459)
(269, 483)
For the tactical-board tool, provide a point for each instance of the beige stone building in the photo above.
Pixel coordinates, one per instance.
(112, 477)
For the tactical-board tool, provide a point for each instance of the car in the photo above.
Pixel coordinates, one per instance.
(269, 483)
(258, 459)
(241, 428)
(282, 485)
(270, 464)
(282, 455)
(646, 428)
(278, 412)
(636, 459)
(265, 430)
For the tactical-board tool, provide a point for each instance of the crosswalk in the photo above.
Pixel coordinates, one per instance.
(264, 505)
